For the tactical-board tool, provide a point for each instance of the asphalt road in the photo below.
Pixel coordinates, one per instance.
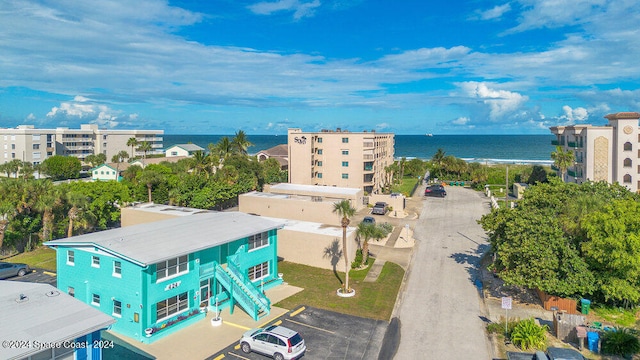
(440, 308)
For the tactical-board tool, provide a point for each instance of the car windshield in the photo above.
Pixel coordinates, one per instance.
(295, 339)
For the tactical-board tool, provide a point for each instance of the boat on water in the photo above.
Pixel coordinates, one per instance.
(429, 134)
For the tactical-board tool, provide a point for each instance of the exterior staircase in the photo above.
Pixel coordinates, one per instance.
(242, 290)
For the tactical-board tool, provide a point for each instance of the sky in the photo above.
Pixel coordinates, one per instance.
(408, 67)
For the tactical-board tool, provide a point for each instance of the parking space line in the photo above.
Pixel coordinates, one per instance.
(237, 347)
(236, 325)
(297, 312)
(49, 273)
(219, 357)
(238, 356)
(313, 327)
(277, 322)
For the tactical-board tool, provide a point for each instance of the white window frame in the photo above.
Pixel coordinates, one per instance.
(117, 268)
(95, 261)
(71, 257)
(261, 269)
(93, 299)
(181, 305)
(258, 241)
(164, 268)
(117, 307)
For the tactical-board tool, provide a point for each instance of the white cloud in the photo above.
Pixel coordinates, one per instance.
(501, 103)
(493, 13)
(574, 115)
(85, 110)
(31, 117)
(538, 14)
(300, 9)
(461, 121)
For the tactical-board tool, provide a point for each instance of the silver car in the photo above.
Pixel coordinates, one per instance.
(275, 341)
(10, 269)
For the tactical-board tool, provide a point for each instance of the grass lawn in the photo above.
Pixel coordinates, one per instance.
(372, 300)
(622, 317)
(405, 186)
(42, 258)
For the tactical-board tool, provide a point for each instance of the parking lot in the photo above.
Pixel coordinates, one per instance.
(327, 335)
(37, 276)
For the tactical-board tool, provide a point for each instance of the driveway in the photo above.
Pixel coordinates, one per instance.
(440, 309)
(37, 276)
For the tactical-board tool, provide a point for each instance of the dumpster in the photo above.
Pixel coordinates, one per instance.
(585, 305)
(593, 338)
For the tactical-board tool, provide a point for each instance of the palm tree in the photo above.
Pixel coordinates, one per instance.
(133, 143)
(438, 160)
(145, 147)
(26, 170)
(365, 232)
(77, 201)
(150, 178)
(48, 198)
(117, 159)
(7, 212)
(240, 142)
(562, 160)
(345, 210)
(201, 163)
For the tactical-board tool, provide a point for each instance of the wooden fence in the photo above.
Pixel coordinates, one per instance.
(561, 304)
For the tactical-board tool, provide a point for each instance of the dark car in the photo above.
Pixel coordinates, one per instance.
(539, 355)
(380, 208)
(435, 190)
(556, 353)
(369, 220)
(8, 270)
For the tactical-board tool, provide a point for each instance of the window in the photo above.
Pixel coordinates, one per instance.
(95, 299)
(319, 151)
(320, 140)
(36, 155)
(345, 164)
(13, 146)
(627, 146)
(71, 291)
(95, 261)
(319, 176)
(258, 240)
(172, 267)
(117, 268)
(35, 137)
(71, 257)
(319, 163)
(36, 146)
(172, 306)
(259, 271)
(627, 162)
(345, 140)
(117, 308)
(345, 176)
(174, 153)
(626, 179)
(345, 152)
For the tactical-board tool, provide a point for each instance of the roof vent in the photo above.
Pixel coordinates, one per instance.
(52, 293)
(22, 298)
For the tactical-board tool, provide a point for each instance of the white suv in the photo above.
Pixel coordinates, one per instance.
(275, 341)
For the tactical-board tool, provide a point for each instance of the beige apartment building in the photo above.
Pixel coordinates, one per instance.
(340, 158)
(608, 153)
(26, 143)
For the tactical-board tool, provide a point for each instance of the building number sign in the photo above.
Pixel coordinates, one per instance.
(173, 285)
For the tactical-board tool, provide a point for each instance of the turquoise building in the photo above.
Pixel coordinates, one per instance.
(154, 278)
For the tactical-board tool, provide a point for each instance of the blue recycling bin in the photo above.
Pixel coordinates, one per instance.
(593, 338)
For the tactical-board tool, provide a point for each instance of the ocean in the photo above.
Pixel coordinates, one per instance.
(509, 149)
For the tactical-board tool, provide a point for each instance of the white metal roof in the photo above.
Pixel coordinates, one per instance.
(153, 242)
(43, 314)
(324, 190)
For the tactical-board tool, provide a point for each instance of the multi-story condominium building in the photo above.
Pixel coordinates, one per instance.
(27, 143)
(608, 153)
(155, 277)
(340, 158)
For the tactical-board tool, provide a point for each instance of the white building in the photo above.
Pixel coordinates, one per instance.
(182, 150)
(608, 153)
(26, 143)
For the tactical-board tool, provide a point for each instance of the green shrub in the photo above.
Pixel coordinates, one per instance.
(527, 334)
(357, 261)
(620, 342)
(498, 328)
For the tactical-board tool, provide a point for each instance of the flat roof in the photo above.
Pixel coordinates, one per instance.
(325, 190)
(149, 243)
(313, 227)
(41, 313)
(167, 209)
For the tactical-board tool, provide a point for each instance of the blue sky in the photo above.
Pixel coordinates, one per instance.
(409, 67)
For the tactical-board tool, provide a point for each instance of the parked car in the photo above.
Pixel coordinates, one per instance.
(539, 355)
(8, 270)
(435, 190)
(275, 341)
(369, 220)
(380, 208)
(556, 353)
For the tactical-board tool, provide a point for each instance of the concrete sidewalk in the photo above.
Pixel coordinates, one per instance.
(201, 340)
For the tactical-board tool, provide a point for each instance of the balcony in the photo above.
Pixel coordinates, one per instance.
(574, 144)
(367, 145)
(368, 166)
(556, 142)
(370, 156)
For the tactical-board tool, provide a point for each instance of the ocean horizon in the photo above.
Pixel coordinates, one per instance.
(509, 149)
